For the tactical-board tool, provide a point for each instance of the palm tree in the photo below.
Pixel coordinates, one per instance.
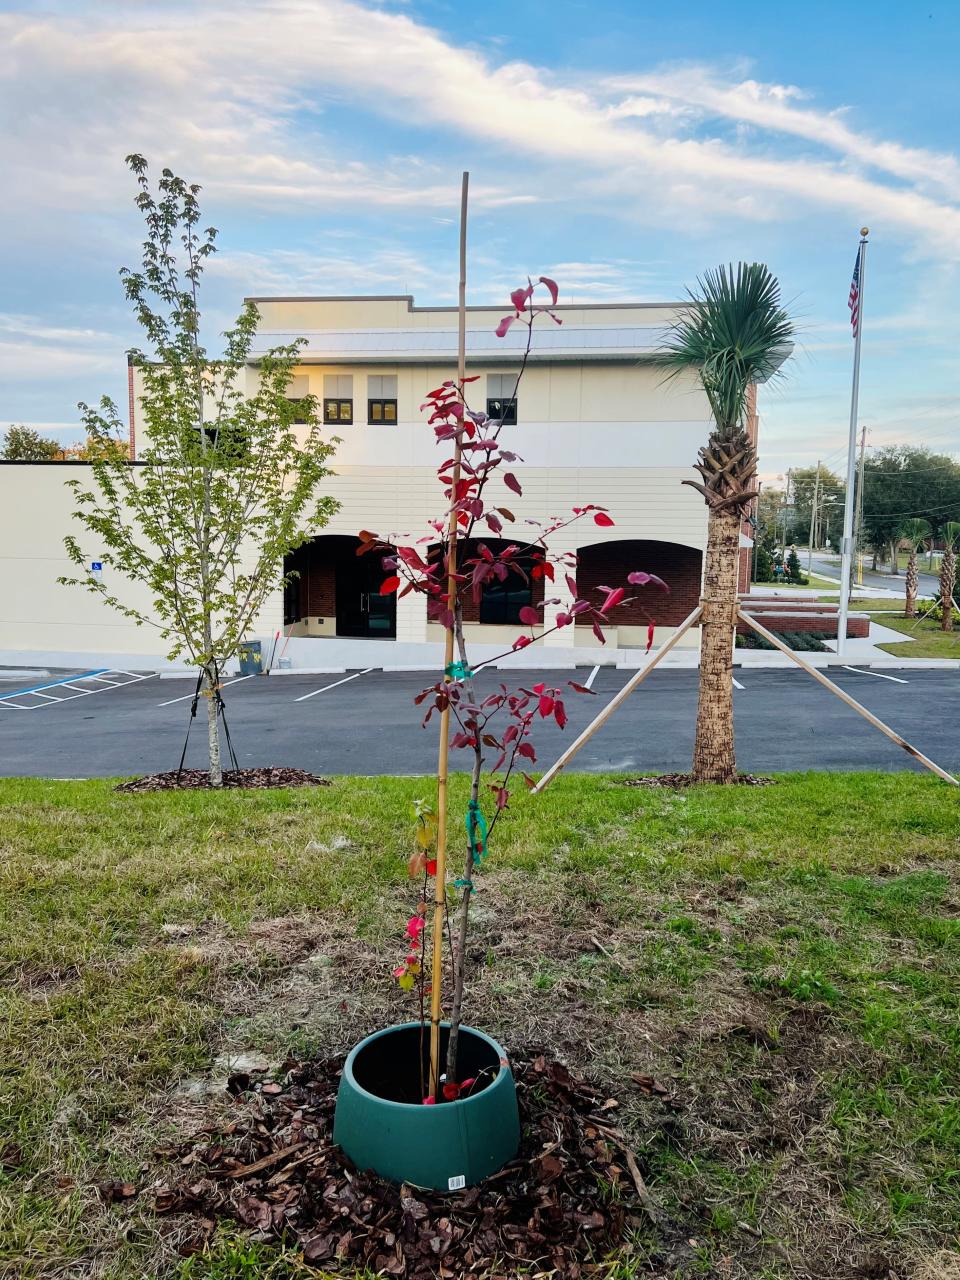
(914, 533)
(948, 572)
(734, 333)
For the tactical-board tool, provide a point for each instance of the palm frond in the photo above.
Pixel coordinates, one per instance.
(951, 534)
(734, 332)
(915, 532)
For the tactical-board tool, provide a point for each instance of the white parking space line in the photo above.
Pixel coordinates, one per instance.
(187, 696)
(737, 684)
(588, 683)
(356, 675)
(863, 671)
(79, 687)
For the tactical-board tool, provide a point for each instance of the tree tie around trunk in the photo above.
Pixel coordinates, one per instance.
(221, 712)
(476, 825)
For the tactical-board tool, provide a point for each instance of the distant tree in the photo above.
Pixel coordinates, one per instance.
(829, 505)
(226, 488)
(914, 533)
(948, 572)
(764, 564)
(23, 444)
(794, 572)
(96, 448)
(903, 482)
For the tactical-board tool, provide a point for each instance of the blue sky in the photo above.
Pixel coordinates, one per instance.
(622, 147)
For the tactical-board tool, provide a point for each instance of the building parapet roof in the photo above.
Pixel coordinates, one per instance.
(357, 346)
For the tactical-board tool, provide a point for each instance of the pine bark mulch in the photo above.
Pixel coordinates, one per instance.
(574, 1193)
(676, 781)
(199, 779)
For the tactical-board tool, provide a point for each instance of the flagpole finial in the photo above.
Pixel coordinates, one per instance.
(864, 231)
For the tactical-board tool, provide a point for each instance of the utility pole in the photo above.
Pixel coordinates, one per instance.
(858, 526)
(756, 529)
(813, 519)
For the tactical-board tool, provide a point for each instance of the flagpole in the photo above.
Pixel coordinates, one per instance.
(846, 548)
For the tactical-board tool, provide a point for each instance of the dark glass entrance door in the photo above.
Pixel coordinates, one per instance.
(361, 610)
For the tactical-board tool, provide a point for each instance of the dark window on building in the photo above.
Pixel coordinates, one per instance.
(381, 410)
(502, 601)
(337, 410)
(337, 398)
(382, 397)
(501, 402)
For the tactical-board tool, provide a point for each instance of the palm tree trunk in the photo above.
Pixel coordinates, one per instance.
(948, 579)
(913, 584)
(714, 757)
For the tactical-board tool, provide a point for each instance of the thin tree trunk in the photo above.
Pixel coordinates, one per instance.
(714, 757)
(948, 578)
(213, 726)
(913, 583)
(463, 915)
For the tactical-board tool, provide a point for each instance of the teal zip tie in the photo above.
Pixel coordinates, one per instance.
(458, 671)
(476, 822)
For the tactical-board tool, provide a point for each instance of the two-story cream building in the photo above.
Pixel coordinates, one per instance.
(594, 421)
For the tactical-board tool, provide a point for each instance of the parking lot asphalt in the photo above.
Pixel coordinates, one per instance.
(366, 723)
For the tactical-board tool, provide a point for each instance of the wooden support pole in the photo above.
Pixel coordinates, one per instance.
(637, 678)
(440, 879)
(845, 697)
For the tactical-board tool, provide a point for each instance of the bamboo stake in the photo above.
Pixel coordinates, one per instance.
(845, 697)
(440, 880)
(615, 702)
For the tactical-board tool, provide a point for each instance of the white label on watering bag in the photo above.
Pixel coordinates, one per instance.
(457, 1183)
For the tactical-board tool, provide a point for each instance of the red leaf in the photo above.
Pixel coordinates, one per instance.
(503, 795)
(580, 688)
(520, 297)
(602, 519)
(504, 325)
(529, 615)
(511, 481)
(650, 630)
(388, 586)
(598, 632)
(521, 642)
(613, 598)
(559, 713)
(451, 1091)
(526, 750)
(639, 579)
(546, 705)
(552, 286)
(571, 585)
(493, 522)
(430, 866)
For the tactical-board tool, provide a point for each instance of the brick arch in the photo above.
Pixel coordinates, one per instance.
(608, 563)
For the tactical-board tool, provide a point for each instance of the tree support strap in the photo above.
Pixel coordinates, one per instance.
(476, 825)
(221, 712)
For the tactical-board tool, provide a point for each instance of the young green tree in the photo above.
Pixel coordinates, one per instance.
(23, 444)
(225, 487)
(794, 572)
(948, 572)
(734, 334)
(915, 533)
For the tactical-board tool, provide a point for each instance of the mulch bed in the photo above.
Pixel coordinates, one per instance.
(574, 1193)
(678, 780)
(199, 779)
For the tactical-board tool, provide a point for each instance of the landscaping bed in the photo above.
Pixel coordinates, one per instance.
(766, 980)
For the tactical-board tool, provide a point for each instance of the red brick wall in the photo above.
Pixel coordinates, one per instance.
(608, 563)
(828, 624)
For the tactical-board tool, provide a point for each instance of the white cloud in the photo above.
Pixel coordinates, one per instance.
(240, 94)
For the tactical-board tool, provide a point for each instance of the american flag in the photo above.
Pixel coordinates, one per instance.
(853, 302)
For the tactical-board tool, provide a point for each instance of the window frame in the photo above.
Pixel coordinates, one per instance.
(507, 414)
(383, 420)
(338, 419)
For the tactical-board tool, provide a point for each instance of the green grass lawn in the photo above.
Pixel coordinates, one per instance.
(785, 959)
(926, 639)
(814, 581)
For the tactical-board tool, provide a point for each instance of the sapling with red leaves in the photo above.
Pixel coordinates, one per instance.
(500, 720)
